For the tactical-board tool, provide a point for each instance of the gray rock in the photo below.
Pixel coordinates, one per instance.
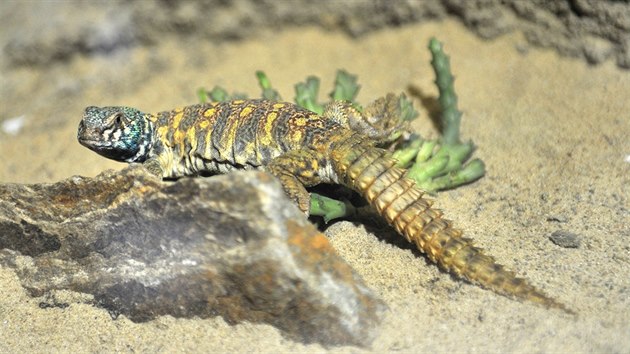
(565, 239)
(557, 218)
(230, 245)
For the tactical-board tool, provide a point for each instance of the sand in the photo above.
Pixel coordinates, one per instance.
(554, 134)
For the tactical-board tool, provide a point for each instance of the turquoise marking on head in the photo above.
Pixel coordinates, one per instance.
(118, 133)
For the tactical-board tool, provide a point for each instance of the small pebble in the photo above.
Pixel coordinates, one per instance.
(12, 126)
(565, 239)
(557, 218)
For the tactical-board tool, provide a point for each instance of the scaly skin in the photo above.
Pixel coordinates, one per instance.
(301, 149)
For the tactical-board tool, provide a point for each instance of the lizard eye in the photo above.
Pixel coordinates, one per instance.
(118, 118)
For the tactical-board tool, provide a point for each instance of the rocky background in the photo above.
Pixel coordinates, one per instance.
(590, 29)
(544, 87)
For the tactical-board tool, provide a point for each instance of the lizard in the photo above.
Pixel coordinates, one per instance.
(301, 149)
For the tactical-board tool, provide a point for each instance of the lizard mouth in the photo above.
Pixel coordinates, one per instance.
(107, 149)
(94, 144)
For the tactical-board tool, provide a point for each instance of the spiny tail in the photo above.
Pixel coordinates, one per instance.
(372, 173)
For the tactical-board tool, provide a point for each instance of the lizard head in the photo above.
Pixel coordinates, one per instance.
(118, 133)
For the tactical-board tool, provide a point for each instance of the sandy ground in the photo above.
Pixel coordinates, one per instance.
(553, 132)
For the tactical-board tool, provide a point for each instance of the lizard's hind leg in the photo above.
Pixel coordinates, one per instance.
(296, 170)
(380, 120)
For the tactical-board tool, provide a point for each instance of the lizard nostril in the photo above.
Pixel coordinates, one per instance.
(81, 129)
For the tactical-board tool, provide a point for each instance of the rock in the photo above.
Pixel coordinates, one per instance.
(557, 218)
(230, 245)
(52, 32)
(565, 239)
(41, 33)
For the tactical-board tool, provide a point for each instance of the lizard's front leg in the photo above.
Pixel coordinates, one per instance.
(296, 170)
(154, 167)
